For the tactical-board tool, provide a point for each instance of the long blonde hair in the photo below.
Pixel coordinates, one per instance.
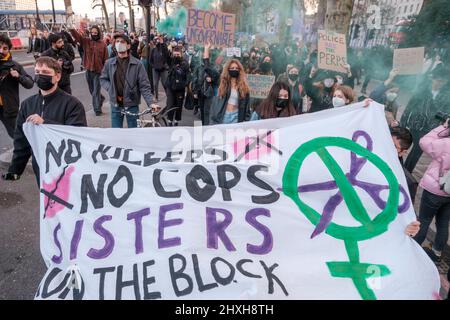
(225, 80)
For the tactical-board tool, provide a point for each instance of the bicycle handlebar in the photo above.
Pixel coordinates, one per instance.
(140, 114)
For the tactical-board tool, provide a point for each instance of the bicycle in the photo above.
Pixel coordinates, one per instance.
(158, 117)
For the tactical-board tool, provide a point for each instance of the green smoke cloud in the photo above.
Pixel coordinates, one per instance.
(176, 22)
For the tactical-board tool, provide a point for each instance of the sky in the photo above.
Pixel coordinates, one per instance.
(85, 7)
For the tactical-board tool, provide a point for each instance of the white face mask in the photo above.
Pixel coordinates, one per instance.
(338, 102)
(328, 82)
(339, 80)
(121, 47)
(391, 96)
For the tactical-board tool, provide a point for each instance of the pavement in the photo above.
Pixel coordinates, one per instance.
(21, 264)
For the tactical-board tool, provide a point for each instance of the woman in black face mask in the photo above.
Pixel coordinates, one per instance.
(277, 104)
(231, 104)
(265, 68)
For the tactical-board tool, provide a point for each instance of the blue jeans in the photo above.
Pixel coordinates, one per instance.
(93, 80)
(434, 206)
(117, 116)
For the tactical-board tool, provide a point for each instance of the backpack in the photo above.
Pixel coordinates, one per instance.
(177, 79)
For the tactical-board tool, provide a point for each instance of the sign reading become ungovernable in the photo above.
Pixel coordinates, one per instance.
(215, 27)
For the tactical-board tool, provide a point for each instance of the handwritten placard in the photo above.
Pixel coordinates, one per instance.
(215, 27)
(260, 85)
(409, 60)
(234, 52)
(332, 51)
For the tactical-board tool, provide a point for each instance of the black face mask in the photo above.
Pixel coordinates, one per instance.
(282, 103)
(44, 81)
(95, 37)
(266, 66)
(234, 73)
(177, 59)
(293, 76)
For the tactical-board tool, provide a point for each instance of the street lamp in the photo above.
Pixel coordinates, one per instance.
(38, 20)
(115, 19)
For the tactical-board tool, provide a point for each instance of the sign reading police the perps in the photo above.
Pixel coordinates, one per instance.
(271, 210)
(332, 51)
(214, 27)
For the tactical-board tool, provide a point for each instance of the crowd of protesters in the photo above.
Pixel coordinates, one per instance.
(201, 79)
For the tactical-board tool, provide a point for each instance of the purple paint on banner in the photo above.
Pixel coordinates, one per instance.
(373, 190)
(76, 239)
(267, 244)
(328, 213)
(216, 230)
(107, 236)
(137, 217)
(163, 223)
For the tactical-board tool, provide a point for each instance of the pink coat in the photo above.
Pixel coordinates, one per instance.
(439, 150)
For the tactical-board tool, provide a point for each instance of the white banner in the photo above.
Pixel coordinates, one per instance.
(308, 207)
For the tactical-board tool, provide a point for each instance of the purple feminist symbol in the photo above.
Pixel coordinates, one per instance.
(374, 190)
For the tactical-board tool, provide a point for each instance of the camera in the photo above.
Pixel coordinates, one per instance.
(441, 116)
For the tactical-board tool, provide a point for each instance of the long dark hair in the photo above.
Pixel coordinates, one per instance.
(268, 110)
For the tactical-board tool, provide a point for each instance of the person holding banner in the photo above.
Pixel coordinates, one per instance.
(342, 96)
(50, 106)
(278, 104)
(231, 105)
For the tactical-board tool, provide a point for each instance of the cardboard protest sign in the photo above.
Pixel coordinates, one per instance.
(409, 60)
(215, 27)
(234, 52)
(272, 210)
(332, 51)
(260, 85)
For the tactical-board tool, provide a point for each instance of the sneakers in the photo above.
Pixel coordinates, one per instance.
(433, 254)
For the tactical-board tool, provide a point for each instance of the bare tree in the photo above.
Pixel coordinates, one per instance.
(129, 5)
(338, 15)
(102, 4)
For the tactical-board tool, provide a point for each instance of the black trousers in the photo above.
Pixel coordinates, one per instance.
(175, 101)
(8, 122)
(438, 207)
(416, 152)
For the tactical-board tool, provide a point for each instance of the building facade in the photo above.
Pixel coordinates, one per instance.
(375, 22)
(7, 5)
(25, 5)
